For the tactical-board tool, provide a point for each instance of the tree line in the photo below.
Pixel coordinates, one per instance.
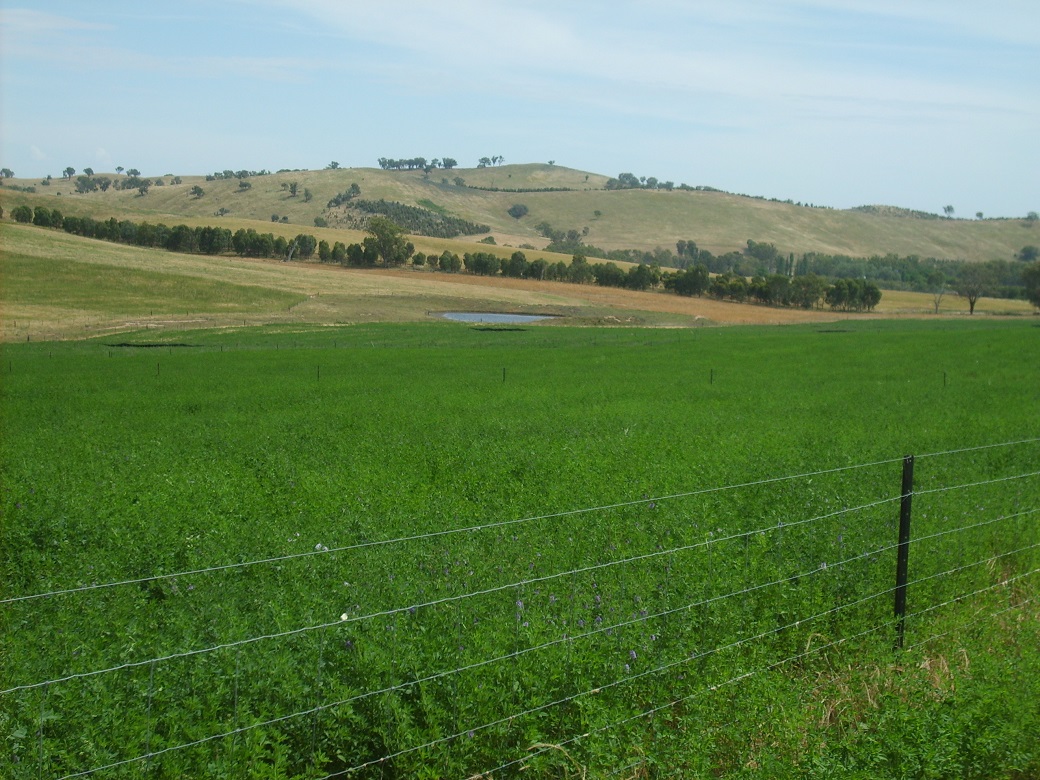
(412, 163)
(387, 244)
(178, 238)
(999, 278)
(242, 174)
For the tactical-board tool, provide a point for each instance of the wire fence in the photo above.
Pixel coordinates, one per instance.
(493, 647)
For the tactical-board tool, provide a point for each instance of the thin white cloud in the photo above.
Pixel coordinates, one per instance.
(738, 50)
(1009, 21)
(26, 21)
(36, 153)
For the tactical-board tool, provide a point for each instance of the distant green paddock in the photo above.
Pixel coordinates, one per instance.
(627, 552)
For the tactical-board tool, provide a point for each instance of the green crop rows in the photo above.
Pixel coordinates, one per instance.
(436, 551)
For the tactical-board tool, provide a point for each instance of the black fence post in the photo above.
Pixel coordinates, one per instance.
(903, 554)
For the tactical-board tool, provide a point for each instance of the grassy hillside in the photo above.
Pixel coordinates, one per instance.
(56, 286)
(636, 219)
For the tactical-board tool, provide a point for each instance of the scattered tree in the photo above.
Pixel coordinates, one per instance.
(294, 187)
(1028, 254)
(88, 171)
(517, 210)
(579, 271)
(243, 186)
(973, 282)
(808, 290)
(449, 262)
(120, 169)
(22, 214)
(197, 192)
(1031, 280)
(978, 215)
(937, 287)
(949, 211)
(387, 239)
(305, 244)
(133, 172)
(448, 163)
(143, 189)
(320, 222)
(85, 184)
(332, 166)
(692, 281)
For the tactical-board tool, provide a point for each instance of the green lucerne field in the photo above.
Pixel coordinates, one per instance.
(450, 550)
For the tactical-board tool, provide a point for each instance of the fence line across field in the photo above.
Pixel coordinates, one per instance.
(825, 568)
(502, 524)
(519, 653)
(446, 532)
(447, 599)
(500, 588)
(630, 678)
(734, 680)
(600, 688)
(658, 708)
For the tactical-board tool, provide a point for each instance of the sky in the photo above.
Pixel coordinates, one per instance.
(912, 103)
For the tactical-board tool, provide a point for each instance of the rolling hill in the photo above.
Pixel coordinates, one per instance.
(564, 198)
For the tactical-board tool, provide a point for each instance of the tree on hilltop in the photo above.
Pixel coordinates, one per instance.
(68, 173)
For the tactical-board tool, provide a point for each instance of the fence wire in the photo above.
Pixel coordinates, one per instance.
(810, 574)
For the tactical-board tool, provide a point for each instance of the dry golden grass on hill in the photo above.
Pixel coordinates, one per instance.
(615, 219)
(58, 286)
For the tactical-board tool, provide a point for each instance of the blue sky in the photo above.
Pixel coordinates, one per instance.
(915, 103)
